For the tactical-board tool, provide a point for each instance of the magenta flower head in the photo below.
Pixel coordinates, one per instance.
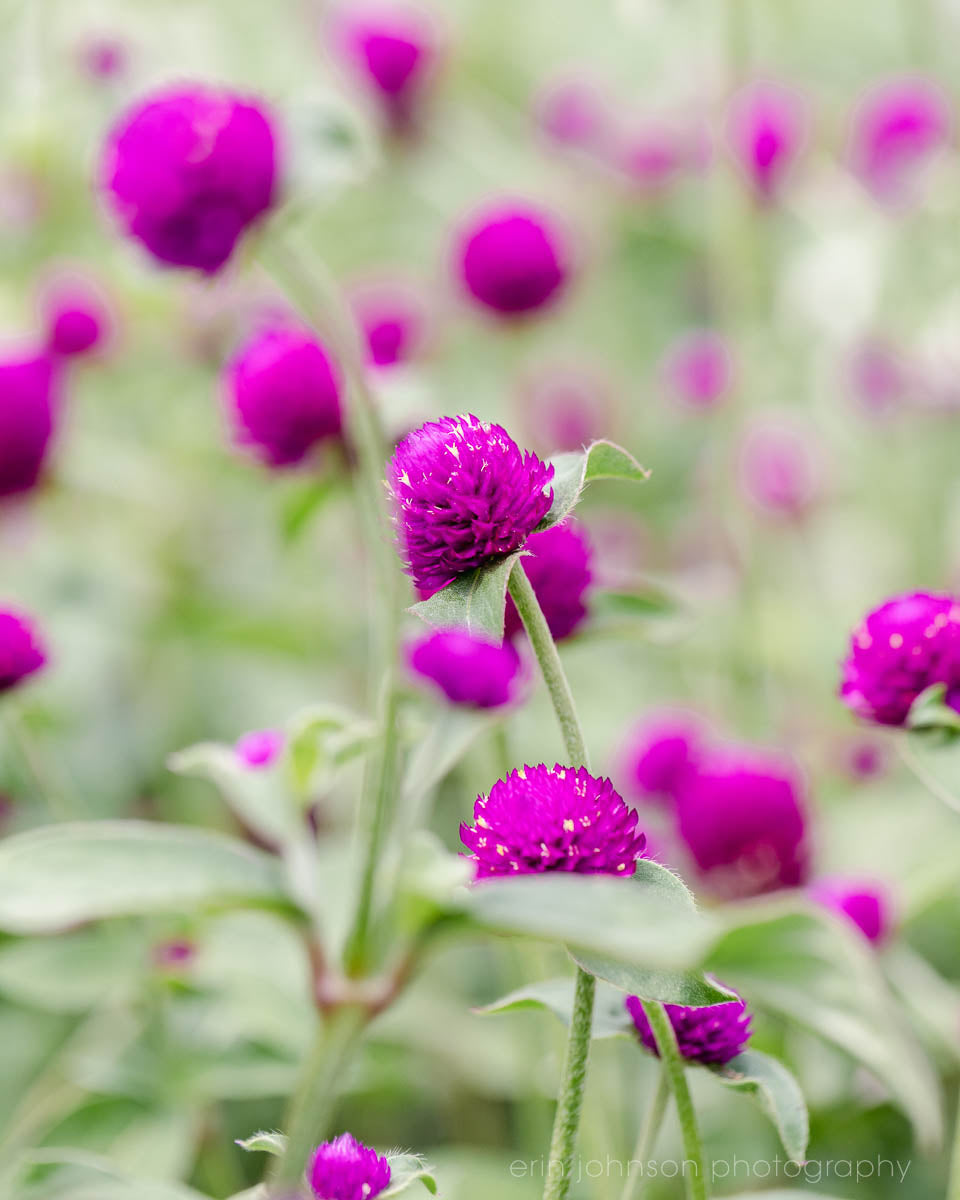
(21, 652)
(559, 568)
(743, 818)
(897, 129)
(512, 258)
(468, 670)
(28, 402)
(899, 650)
(260, 748)
(104, 58)
(560, 819)
(662, 752)
(766, 130)
(697, 369)
(464, 494)
(392, 51)
(866, 905)
(393, 322)
(711, 1035)
(346, 1169)
(574, 114)
(76, 318)
(656, 153)
(187, 170)
(878, 377)
(779, 470)
(282, 394)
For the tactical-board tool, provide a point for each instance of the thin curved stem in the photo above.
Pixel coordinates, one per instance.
(953, 1184)
(647, 1139)
(675, 1072)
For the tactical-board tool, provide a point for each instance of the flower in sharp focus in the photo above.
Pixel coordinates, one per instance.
(28, 403)
(260, 748)
(512, 259)
(282, 392)
(767, 130)
(897, 128)
(464, 494)
(711, 1035)
(346, 1169)
(561, 819)
(662, 751)
(697, 370)
(21, 651)
(899, 650)
(865, 904)
(468, 670)
(187, 170)
(558, 567)
(742, 815)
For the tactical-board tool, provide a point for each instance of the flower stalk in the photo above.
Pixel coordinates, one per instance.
(647, 1138)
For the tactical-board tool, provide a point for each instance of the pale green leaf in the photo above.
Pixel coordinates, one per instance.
(776, 1091)
(475, 601)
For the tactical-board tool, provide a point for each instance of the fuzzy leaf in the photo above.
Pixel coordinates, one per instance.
(776, 1091)
(930, 711)
(264, 1142)
(405, 1171)
(474, 601)
(610, 1017)
(61, 875)
(573, 471)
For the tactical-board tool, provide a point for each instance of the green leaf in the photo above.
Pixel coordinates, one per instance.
(61, 875)
(304, 502)
(776, 1091)
(406, 1170)
(265, 1143)
(324, 737)
(810, 967)
(573, 471)
(930, 711)
(475, 601)
(75, 971)
(447, 740)
(88, 1176)
(610, 1017)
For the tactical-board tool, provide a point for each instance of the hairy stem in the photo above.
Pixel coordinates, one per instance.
(633, 1187)
(675, 1072)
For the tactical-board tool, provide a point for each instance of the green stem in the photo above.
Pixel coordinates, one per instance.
(570, 1101)
(953, 1185)
(675, 1072)
(544, 647)
(308, 1113)
(646, 1139)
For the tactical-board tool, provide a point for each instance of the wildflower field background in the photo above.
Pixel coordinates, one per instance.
(243, 881)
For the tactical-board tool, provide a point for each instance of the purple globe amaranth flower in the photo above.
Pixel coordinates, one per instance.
(697, 370)
(711, 1035)
(468, 670)
(28, 403)
(559, 568)
(392, 50)
(742, 816)
(560, 819)
(103, 58)
(346, 1169)
(512, 258)
(174, 955)
(899, 650)
(260, 748)
(574, 113)
(877, 377)
(188, 169)
(21, 651)
(393, 322)
(767, 130)
(76, 319)
(464, 494)
(662, 751)
(282, 393)
(654, 154)
(779, 469)
(897, 128)
(566, 406)
(866, 905)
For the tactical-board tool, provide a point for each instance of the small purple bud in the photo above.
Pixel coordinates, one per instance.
(393, 321)
(897, 129)
(697, 370)
(260, 748)
(282, 395)
(76, 318)
(104, 58)
(174, 955)
(779, 470)
(468, 670)
(346, 1169)
(866, 905)
(28, 405)
(512, 258)
(767, 131)
(574, 114)
(21, 651)
(878, 377)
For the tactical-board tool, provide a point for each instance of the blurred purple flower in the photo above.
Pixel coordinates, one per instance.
(662, 751)
(187, 170)
(512, 258)
(767, 131)
(76, 318)
(566, 407)
(865, 758)
(654, 153)
(899, 650)
(260, 748)
(743, 818)
(697, 369)
(104, 58)
(346, 1169)
(464, 494)
(28, 405)
(877, 377)
(558, 567)
(710, 1035)
(21, 650)
(282, 393)
(866, 905)
(174, 955)
(561, 819)
(392, 49)
(897, 128)
(468, 670)
(779, 469)
(573, 113)
(392, 318)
